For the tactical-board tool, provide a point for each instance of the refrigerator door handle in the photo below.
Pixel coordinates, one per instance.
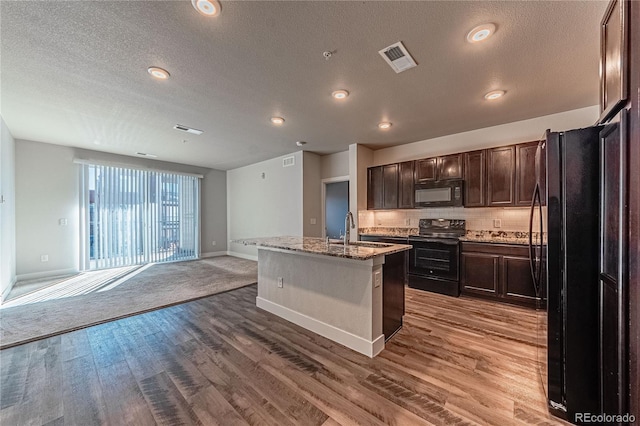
(532, 251)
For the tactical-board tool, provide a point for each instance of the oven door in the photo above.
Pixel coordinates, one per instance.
(434, 257)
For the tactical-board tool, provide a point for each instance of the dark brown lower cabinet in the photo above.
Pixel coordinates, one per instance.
(497, 271)
(394, 279)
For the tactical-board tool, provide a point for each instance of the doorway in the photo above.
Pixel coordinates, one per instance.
(336, 205)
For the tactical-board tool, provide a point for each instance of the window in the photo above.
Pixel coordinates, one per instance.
(138, 216)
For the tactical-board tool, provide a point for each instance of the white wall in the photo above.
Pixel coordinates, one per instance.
(47, 188)
(46, 191)
(505, 134)
(311, 195)
(213, 216)
(334, 165)
(360, 157)
(7, 211)
(266, 206)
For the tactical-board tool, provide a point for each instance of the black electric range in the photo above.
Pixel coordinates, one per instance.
(434, 261)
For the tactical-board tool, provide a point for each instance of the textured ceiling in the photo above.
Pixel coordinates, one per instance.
(75, 73)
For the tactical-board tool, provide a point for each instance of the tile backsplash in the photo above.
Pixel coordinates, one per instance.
(510, 218)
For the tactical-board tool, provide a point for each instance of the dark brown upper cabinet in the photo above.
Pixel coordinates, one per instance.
(405, 185)
(614, 59)
(427, 169)
(439, 168)
(382, 187)
(526, 173)
(390, 186)
(375, 187)
(501, 163)
(450, 167)
(475, 179)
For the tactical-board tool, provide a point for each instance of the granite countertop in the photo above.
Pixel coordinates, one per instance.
(499, 237)
(319, 246)
(495, 240)
(388, 231)
(483, 236)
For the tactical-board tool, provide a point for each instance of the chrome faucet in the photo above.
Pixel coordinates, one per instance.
(347, 232)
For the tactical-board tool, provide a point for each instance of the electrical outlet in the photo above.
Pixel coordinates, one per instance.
(312, 221)
(280, 282)
(44, 258)
(407, 222)
(213, 243)
(63, 222)
(497, 223)
(377, 278)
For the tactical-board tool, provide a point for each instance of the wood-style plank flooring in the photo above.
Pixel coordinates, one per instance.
(221, 360)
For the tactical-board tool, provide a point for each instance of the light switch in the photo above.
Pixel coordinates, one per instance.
(62, 222)
(312, 221)
(377, 278)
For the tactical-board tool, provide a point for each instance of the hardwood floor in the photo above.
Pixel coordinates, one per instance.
(221, 360)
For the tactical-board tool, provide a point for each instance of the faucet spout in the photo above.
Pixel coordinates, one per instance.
(348, 220)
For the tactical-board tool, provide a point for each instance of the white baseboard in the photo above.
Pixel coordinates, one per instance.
(7, 290)
(243, 256)
(46, 274)
(357, 343)
(213, 254)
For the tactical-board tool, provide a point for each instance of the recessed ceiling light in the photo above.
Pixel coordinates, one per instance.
(278, 121)
(384, 125)
(159, 73)
(207, 7)
(301, 143)
(480, 33)
(340, 94)
(494, 95)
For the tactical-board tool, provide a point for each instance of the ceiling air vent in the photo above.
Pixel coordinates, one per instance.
(288, 161)
(397, 57)
(187, 129)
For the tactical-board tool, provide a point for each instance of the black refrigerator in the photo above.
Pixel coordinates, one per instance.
(564, 266)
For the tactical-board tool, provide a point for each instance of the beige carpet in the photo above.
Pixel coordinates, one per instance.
(156, 286)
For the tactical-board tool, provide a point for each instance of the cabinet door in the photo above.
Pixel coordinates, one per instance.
(614, 236)
(517, 281)
(390, 186)
(374, 188)
(450, 167)
(405, 187)
(525, 173)
(501, 176)
(480, 274)
(475, 182)
(426, 169)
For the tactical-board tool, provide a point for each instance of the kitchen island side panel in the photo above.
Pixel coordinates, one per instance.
(337, 294)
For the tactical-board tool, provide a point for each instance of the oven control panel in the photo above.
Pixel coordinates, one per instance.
(442, 224)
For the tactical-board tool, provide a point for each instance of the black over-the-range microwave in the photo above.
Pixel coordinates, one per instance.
(439, 193)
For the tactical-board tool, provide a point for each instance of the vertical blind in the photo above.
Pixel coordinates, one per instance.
(138, 216)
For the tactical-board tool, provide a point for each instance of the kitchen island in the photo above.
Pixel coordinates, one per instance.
(334, 290)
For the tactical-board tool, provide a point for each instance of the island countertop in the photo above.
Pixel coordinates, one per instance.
(357, 250)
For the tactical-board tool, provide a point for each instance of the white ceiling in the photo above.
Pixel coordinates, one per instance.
(75, 73)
